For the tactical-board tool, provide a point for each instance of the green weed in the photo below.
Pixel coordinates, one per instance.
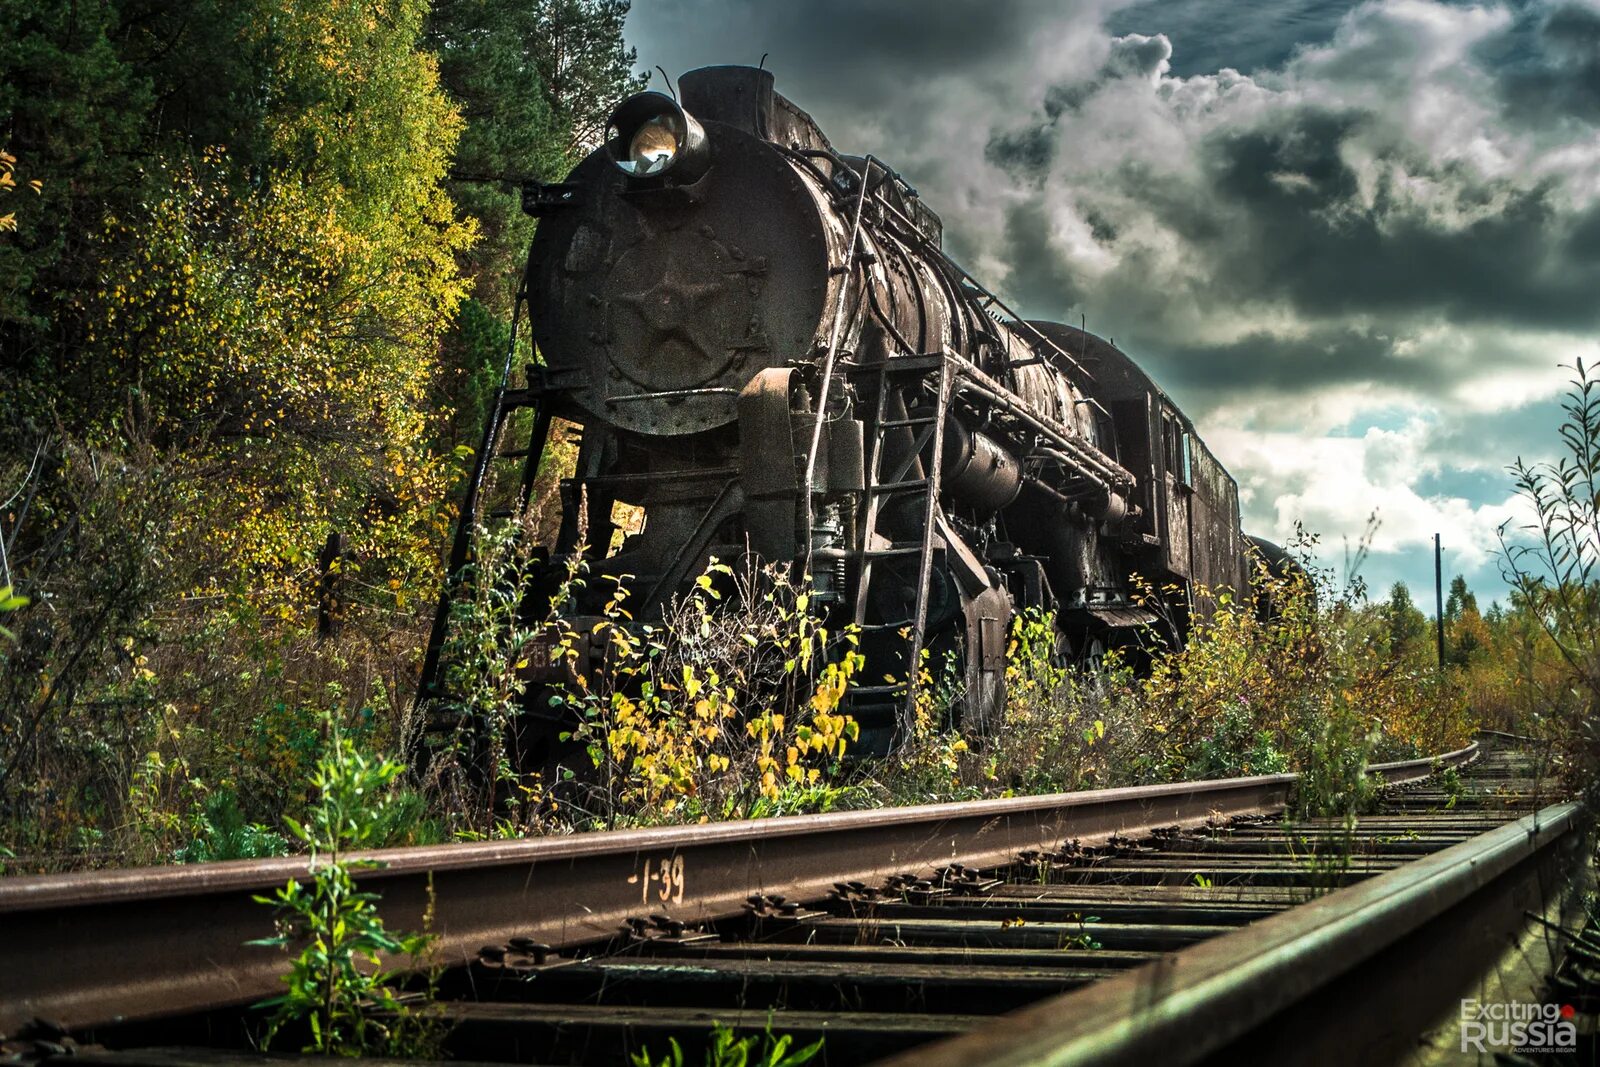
(727, 1050)
(222, 833)
(338, 985)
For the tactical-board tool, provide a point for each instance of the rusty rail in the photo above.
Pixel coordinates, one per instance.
(92, 949)
(1351, 977)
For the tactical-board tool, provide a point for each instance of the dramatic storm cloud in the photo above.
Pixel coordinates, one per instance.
(1354, 241)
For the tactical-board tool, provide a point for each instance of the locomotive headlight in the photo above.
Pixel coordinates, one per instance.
(653, 149)
(651, 136)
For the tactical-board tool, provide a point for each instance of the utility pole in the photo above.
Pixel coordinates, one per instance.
(1438, 598)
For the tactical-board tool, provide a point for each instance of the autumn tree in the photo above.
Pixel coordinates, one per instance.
(259, 298)
(277, 313)
(1467, 635)
(1404, 623)
(251, 322)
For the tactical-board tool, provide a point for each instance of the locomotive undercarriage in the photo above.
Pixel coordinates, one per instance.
(1002, 536)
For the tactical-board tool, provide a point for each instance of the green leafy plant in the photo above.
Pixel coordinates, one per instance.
(222, 833)
(731, 707)
(727, 1050)
(477, 774)
(1554, 561)
(1450, 783)
(1084, 939)
(9, 602)
(338, 984)
(1237, 747)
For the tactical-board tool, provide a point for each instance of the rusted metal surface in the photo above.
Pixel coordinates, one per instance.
(662, 292)
(1355, 976)
(947, 952)
(92, 948)
(179, 932)
(1057, 911)
(1416, 770)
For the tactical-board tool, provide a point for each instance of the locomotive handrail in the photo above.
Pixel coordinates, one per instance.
(1017, 321)
(1111, 474)
(466, 518)
(831, 359)
(667, 394)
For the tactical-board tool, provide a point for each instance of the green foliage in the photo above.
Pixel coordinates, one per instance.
(1237, 747)
(476, 350)
(1450, 783)
(797, 799)
(1333, 777)
(1296, 676)
(231, 305)
(1407, 626)
(1063, 728)
(10, 601)
(730, 706)
(510, 132)
(337, 985)
(477, 775)
(264, 309)
(222, 833)
(534, 81)
(222, 306)
(75, 106)
(1554, 561)
(1459, 600)
(725, 1049)
(78, 700)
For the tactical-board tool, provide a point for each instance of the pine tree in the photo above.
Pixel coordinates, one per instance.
(74, 109)
(1406, 624)
(1459, 600)
(535, 81)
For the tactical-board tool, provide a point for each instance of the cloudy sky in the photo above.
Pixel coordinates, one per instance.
(1355, 241)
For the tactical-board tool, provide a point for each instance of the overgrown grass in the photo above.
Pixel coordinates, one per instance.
(724, 1048)
(1291, 676)
(730, 706)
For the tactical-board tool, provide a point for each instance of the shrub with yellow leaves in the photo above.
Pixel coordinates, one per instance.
(1293, 675)
(8, 184)
(730, 702)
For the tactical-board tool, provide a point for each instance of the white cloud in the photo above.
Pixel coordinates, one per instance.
(1358, 267)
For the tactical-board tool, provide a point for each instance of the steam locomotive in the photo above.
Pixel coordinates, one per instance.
(768, 352)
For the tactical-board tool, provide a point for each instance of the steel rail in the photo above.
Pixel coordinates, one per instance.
(1414, 770)
(1355, 976)
(96, 948)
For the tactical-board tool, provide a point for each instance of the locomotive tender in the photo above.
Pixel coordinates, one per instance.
(768, 352)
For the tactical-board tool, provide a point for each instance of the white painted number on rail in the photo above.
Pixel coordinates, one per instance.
(666, 875)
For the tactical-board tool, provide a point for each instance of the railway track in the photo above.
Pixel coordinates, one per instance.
(1161, 924)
